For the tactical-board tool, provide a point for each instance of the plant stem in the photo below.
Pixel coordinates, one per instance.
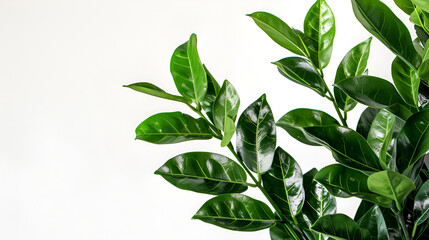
(331, 97)
(213, 127)
(400, 219)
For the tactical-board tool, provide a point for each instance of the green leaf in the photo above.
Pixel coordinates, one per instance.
(229, 130)
(392, 185)
(172, 127)
(150, 89)
(256, 136)
(279, 232)
(371, 91)
(347, 146)
(236, 212)
(415, 17)
(363, 208)
(365, 121)
(226, 105)
(406, 81)
(283, 182)
(300, 70)
(423, 70)
(345, 182)
(319, 24)
(188, 72)
(213, 90)
(421, 34)
(295, 121)
(374, 222)
(421, 204)
(204, 172)
(405, 5)
(380, 135)
(353, 64)
(381, 22)
(413, 140)
(279, 32)
(422, 4)
(340, 226)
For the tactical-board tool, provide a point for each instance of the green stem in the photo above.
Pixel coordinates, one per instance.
(213, 127)
(400, 219)
(331, 97)
(414, 230)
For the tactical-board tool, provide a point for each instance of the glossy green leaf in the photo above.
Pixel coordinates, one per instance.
(228, 130)
(353, 64)
(365, 121)
(319, 24)
(172, 127)
(421, 204)
(188, 72)
(295, 121)
(300, 70)
(406, 81)
(279, 32)
(392, 185)
(405, 5)
(415, 17)
(371, 91)
(226, 105)
(381, 22)
(340, 226)
(256, 136)
(400, 111)
(380, 135)
(418, 46)
(345, 182)
(363, 208)
(347, 146)
(421, 34)
(422, 4)
(413, 140)
(204, 172)
(236, 212)
(150, 89)
(423, 70)
(213, 90)
(279, 232)
(318, 201)
(283, 182)
(374, 222)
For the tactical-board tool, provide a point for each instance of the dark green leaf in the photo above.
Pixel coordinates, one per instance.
(421, 34)
(422, 4)
(229, 130)
(363, 208)
(345, 182)
(353, 64)
(204, 172)
(340, 226)
(319, 24)
(423, 70)
(400, 111)
(365, 121)
(279, 32)
(380, 135)
(283, 183)
(226, 105)
(392, 185)
(381, 22)
(406, 81)
(172, 127)
(347, 146)
(236, 212)
(153, 90)
(405, 5)
(371, 91)
(256, 136)
(188, 72)
(374, 222)
(295, 121)
(279, 232)
(421, 204)
(413, 140)
(213, 89)
(301, 71)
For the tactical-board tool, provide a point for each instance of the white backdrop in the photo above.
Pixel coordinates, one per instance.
(69, 167)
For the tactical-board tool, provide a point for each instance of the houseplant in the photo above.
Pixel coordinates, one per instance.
(381, 162)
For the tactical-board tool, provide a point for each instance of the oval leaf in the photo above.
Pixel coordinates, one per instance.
(405, 5)
(204, 172)
(188, 72)
(347, 146)
(374, 222)
(423, 70)
(228, 131)
(381, 22)
(295, 121)
(172, 127)
(319, 24)
(256, 136)
(283, 183)
(340, 226)
(236, 212)
(392, 185)
(226, 105)
(421, 204)
(422, 4)
(213, 89)
(380, 135)
(301, 71)
(151, 89)
(406, 81)
(353, 64)
(365, 121)
(371, 91)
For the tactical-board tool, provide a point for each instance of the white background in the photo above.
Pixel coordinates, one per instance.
(69, 167)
